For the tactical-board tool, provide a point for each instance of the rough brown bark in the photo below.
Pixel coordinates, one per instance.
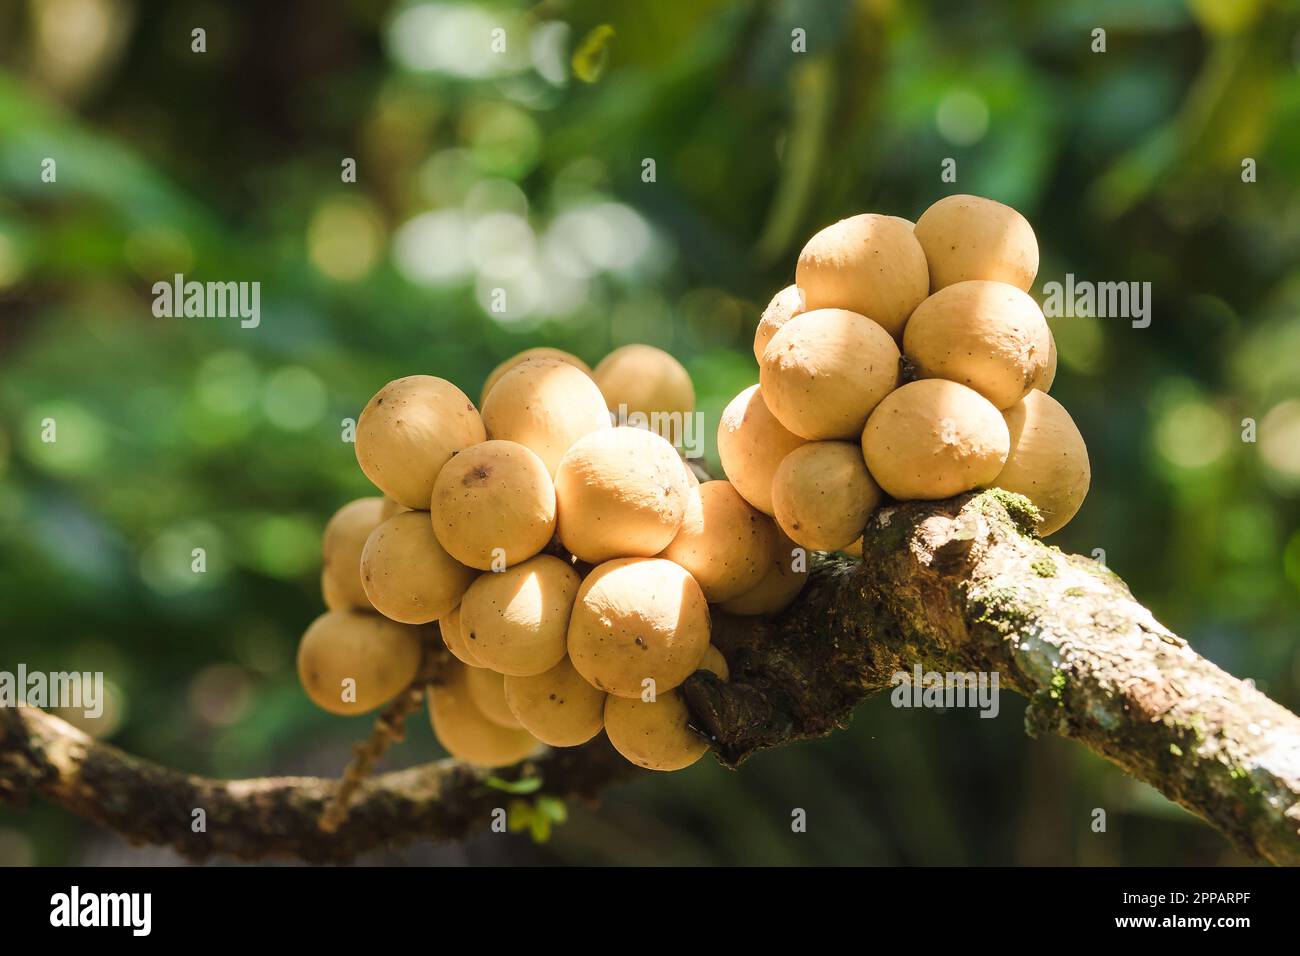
(963, 586)
(272, 816)
(955, 586)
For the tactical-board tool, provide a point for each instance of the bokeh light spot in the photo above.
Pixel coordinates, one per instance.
(503, 139)
(431, 248)
(1191, 433)
(456, 40)
(169, 566)
(1279, 441)
(284, 546)
(344, 239)
(79, 438)
(112, 711)
(294, 398)
(1080, 344)
(227, 383)
(962, 117)
(220, 695)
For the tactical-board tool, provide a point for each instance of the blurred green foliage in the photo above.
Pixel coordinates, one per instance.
(479, 170)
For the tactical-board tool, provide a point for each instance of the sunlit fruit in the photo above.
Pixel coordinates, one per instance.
(350, 662)
(933, 439)
(653, 734)
(869, 264)
(516, 621)
(557, 706)
(970, 237)
(1048, 460)
(823, 495)
(465, 732)
(542, 352)
(824, 372)
(620, 492)
(409, 430)
(751, 444)
(989, 336)
(638, 622)
(494, 505)
(545, 405)
(407, 574)
(724, 542)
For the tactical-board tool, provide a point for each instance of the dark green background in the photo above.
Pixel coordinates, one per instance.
(180, 433)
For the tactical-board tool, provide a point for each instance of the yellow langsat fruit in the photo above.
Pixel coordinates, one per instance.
(542, 352)
(494, 505)
(825, 370)
(869, 264)
(465, 732)
(785, 305)
(823, 495)
(1044, 381)
(488, 691)
(557, 706)
(516, 621)
(454, 639)
(350, 662)
(334, 601)
(724, 542)
(407, 574)
(653, 734)
(933, 439)
(641, 380)
(345, 536)
(786, 574)
(638, 622)
(409, 430)
(715, 663)
(970, 237)
(1048, 461)
(545, 405)
(989, 336)
(620, 492)
(751, 444)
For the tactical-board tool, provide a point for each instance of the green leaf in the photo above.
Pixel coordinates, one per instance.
(553, 809)
(541, 828)
(519, 816)
(522, 786)
(592, 53)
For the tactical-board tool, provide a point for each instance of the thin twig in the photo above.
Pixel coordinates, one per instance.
(390, 728)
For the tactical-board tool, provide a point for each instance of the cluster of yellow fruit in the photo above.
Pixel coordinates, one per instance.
(568, 561)
(908, 361)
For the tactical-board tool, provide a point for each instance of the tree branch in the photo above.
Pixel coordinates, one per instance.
(961, 586)
(272, 816)
(955, 586)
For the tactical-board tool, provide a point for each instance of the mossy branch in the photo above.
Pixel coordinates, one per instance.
(956, 586)
(962, 586)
